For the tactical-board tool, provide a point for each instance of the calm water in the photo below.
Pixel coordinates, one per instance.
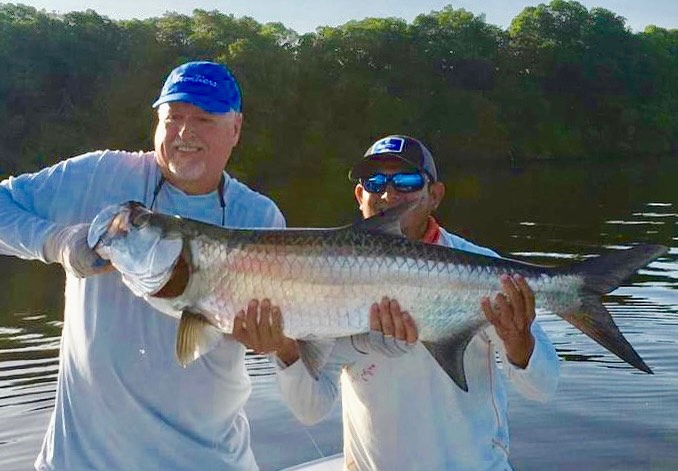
(605, 416)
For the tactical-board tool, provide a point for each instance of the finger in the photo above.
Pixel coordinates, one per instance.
(276, 324)
(264, 326)
(251, 318)
(385, 317)
(397, 319)
(515, 297)
(528, 296)
(375, 320)
(503, 304)
(239, 331)
(488, 310)
(505, 314)
(411, 333)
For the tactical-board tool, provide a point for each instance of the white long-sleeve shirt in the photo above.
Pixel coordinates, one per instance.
(406, 414)
(122, 401)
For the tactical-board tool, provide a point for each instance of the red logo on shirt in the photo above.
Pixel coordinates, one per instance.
(364, 375)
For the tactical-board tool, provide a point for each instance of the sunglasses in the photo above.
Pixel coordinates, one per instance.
(402, 182)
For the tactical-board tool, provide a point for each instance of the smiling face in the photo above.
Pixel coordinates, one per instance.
(192, 146)
(414, 222)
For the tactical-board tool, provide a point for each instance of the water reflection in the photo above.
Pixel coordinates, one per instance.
(606, 415)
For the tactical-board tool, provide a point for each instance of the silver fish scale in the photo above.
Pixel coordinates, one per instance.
(325, 287)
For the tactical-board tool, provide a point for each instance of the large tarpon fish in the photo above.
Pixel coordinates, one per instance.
(324, 281)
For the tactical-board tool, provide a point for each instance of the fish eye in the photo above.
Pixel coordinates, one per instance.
(140, 220)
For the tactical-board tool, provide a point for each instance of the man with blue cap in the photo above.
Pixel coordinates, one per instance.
(122, 400)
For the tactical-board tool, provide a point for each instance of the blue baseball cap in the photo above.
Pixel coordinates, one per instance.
(208, 85)
(395, 147)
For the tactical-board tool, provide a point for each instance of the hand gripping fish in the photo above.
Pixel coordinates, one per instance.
(324, 281)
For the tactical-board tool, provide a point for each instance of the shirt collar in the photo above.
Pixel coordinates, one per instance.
(432, 234)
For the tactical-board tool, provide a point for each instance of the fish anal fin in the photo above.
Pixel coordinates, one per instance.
(195, 337)
(449, 353)
(314, 354)
(593, 319)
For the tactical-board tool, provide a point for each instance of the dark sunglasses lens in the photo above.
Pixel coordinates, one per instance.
(376, 183)
(408, 182)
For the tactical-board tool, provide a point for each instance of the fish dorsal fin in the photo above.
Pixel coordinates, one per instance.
(387, 221)
(195, 337)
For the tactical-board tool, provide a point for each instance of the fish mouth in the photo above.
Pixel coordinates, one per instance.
(142, 252)
(115, 221)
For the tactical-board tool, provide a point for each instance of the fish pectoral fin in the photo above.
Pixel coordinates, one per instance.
(314, 354)
(449, 353)
(195, 337)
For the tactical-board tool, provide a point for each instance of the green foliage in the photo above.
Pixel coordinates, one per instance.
(561, 82)
(601, 85)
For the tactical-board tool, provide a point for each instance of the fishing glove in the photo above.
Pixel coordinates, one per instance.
(377, 341)
(67, 245)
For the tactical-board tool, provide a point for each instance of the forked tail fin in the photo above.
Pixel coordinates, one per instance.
(602, 275)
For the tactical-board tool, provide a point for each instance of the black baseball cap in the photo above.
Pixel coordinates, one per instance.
(404, 148)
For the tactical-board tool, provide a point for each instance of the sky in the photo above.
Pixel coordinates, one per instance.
(305, 16)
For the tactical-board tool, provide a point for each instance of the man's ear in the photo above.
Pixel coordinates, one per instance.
(359, 191)
(437, 192)
(237, 126)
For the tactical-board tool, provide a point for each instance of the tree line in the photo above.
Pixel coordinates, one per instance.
(561, 82)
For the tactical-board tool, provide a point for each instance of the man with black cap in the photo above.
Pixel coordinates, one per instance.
(405, 413)
(122, 401)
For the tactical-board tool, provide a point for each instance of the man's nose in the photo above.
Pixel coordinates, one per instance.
(390, 193)
(185, 129)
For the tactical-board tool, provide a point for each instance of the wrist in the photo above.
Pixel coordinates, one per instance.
(288, 353)
(519, 350)
(51, 245)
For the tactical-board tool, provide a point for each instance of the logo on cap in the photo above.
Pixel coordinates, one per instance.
(197, 79)
(388, 145)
